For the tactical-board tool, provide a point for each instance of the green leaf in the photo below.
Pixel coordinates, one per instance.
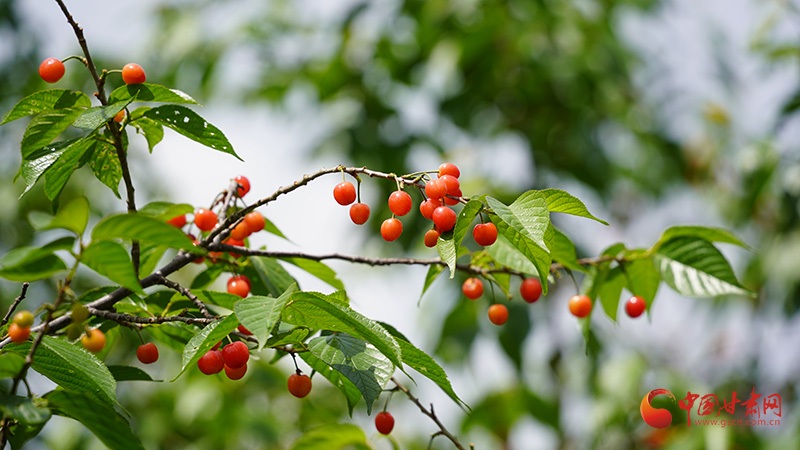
(141, 228)
(144, 92)
(38, 270)
(31, 263)
(47, 126)
(448, 247)
(295, 337)
(71, 367)
(150, 256)
(61, 170)
(643, 279)
(223, 299)
(73, 217)
(694, 267)
(610, 290)
(112, 261)
(316, 311)
(206, 277)
(433, 272)
(10, 364)
(333, 437)
(21, 434)
(129, 373)
(516, 240)
(101, 419)
(423, 363)
(153, 131)
(509, 256)
(204, 340)
(105, 165)
(318, 269)
(267, 276)
(361, 363)
(708, 233)
(270, 227)
(46, 100)
(95, 117)
(260, 314)
(35, 164)
(351, 393)
(24, 255)
(173, 335)
(563, 251)
(188, 123)
(528, 216)
(564, 202)
(165, 210)
(23, 410)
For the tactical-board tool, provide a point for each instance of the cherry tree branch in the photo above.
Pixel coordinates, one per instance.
(188, 294)
(126, 319)
(430, 413)
(16, 303)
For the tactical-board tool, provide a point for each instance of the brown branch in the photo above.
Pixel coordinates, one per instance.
(126, 319)
(430, 413)
(16, 303)
(188, 294)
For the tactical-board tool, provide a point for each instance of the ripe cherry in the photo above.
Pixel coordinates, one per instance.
(449, 169)
(51, 70)
(452, 201)
(236, 243)
(23, 319)
(498, 314)
(400, 203)
(240, 231)
(244, 330)
(236, 354)
(531, 289)
(255, 222)
(359, 213)
(211, 362)
(205, 219)
(472, 288)
(384, 422)
(299, 385)
(426, 208)
(436, 189)
(485, 234)
(344, 193)
(238, 286)
(431, 237)
(580, 305)
(17, 333)
(242, 185)
(133, 73)
(120, 116)
(94, 340)
(452, 184)
(635, 306)
(236, 374)
(444, 218)
(178, 221)
(147, 353)
(391, 229)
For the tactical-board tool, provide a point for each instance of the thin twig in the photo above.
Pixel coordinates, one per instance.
(430, 413)
(128, 319)
(188, 294)
(16, 303)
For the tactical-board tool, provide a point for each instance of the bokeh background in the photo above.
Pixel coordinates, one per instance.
(655, 113)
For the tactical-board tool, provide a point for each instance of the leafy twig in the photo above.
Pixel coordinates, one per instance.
(430, 413)
(16, 303)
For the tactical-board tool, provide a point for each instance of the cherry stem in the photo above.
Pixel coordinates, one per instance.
(16, 303)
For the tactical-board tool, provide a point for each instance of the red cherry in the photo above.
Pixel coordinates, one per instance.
(344, 193)
(498, 314)
(216, 346)
(452, 201)
(431, 237)
(359, 213)
(436, 189)
(211, 362)
(238, 287)
(299, 385)
(18, 334)
(178, 221)
(240, 232)
(449, 169)
(243, 185)
(147, 353)
(485, 234)
(133, 73)
(452, 184)
(120, 116)
(472, 288)
(384, 422)
(255, 221)
(244, 330)
(94, 340)
(531, 289)
(580, 305)
(391, 229)
(635, 306)
(236, 243)
(400, 203)
(51, 70)
(205, 219)
(426, 208)
(444, 218)
(236, 354)
(236, 374)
